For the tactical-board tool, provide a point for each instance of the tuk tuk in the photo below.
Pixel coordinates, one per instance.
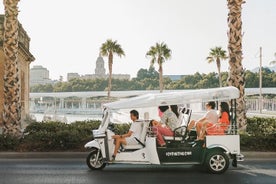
(214, 154)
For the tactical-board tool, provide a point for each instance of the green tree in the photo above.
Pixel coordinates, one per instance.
(109, 48)
(159, 53)
(252, 79)
(216, 55)
(144, 73)
(208, 81)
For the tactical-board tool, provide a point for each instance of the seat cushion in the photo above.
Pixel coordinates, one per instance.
(134, 146)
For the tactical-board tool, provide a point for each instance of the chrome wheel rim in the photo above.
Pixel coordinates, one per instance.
(217, 163)
(96, 163)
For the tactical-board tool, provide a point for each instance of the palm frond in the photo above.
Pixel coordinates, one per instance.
(111, 46)
(216, 53)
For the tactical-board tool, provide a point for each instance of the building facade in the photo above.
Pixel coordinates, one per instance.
(100, 70)
(39, 75)
(71, 76)
(24, 60)
(100, 73)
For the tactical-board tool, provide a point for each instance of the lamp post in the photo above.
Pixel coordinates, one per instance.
(260, 83)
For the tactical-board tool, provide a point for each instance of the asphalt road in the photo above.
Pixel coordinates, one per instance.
(74, 171)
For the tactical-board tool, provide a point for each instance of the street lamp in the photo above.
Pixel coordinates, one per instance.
(260, 83)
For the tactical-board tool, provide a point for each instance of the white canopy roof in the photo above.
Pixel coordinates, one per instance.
(174, 98)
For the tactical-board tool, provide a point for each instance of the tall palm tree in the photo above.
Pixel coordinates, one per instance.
(12, 107)
(274, 61)
(159, 54)
(109, 48)
(216, 55)
(236, 74)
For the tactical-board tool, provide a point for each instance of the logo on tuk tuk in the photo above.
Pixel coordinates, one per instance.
(178, 153)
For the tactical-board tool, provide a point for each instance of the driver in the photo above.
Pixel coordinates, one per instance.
(131, 137)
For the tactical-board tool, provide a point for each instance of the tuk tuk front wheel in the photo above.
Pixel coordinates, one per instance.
(217, 162)
(94, 160)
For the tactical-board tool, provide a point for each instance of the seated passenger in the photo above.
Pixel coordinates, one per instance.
(210, 117)
(133, 133)
(165, 127)
(221, 126)
(223, 123)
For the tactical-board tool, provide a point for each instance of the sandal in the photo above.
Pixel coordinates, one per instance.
(113, 158)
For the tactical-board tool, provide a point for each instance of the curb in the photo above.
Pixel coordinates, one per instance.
(259, 155)
(82, 155)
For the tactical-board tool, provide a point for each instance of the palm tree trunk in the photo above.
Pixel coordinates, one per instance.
(160, 77)
(110, 62)
(236, 75)
(12, 106)
(219, 72)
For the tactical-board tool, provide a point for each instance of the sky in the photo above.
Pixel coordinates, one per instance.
(66, 34)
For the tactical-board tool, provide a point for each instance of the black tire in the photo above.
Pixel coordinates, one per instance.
(94, 164)
(217, 162)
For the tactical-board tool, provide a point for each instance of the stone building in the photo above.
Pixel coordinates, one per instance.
(100, 73)
(71, 76)
(24, 60)
(39, 75)
(100, 70)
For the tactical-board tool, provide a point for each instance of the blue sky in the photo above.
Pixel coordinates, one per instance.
(66, 34)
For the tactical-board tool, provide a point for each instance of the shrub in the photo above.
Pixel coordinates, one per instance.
(258, 126)
(56, 136)
(8, 143)
(258, 143)
(120, 129)
(261, 135)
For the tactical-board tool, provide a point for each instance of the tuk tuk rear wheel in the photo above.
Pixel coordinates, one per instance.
(217, 162)
(92, 162)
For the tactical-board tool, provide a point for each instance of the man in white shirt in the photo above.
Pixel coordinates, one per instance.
(130, 137)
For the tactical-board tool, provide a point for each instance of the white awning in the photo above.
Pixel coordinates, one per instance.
(174, 98)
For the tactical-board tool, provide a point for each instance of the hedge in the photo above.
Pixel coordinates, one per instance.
(56, 136)
(258, 126)
(260, 135)
(51, 136)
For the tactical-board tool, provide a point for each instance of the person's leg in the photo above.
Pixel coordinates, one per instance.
(191, 125)
(158, 135)
(119, 141)
(202, 132)
(198, 128)
(206, 125)
(163, 131)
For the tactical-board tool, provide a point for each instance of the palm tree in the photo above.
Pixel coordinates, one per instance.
(109, 48)
(236, 72)
(159, 54)
(12, 107)
(216, 55)
(274, 61)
